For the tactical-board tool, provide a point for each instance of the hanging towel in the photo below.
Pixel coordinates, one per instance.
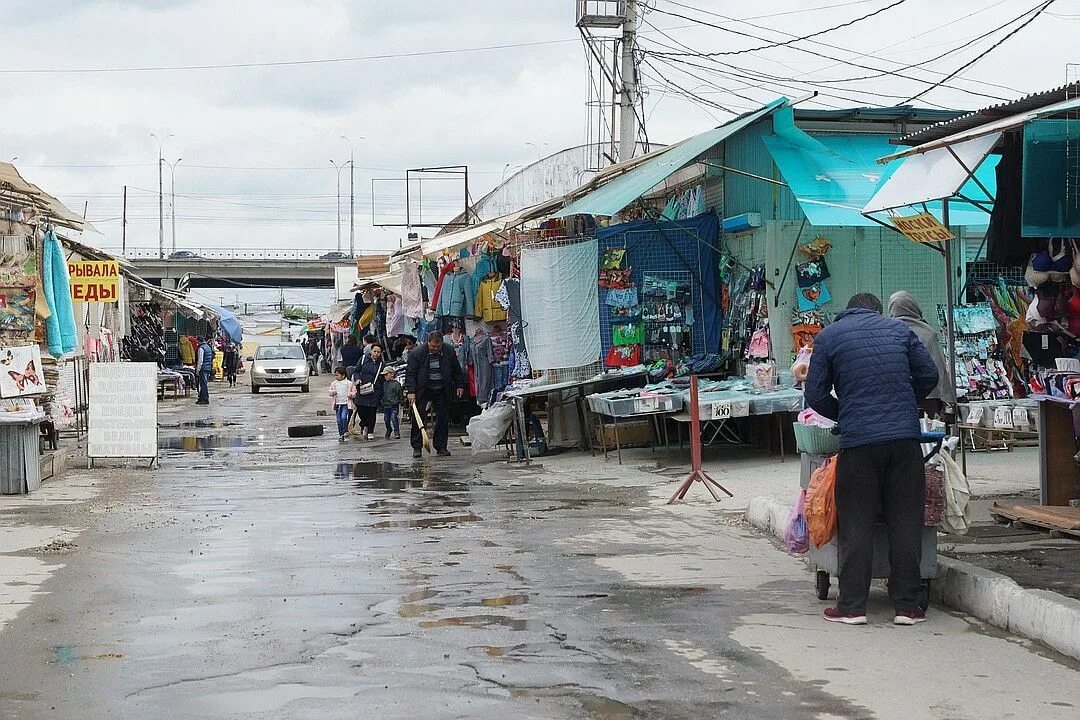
(60, 326)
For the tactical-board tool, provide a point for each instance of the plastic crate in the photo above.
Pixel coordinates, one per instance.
(634, 405)
(780, 401)
(815, 440)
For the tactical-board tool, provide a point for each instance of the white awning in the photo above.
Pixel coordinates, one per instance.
(437, 244)
(933, 175)
(997, 126)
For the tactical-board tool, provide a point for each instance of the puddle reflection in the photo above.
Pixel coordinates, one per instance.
(207, 444)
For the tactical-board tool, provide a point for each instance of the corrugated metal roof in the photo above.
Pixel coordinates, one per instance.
(907, 113)
(988, 114)
(615, 195)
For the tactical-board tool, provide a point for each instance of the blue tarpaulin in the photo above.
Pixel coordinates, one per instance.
(683, 247)
(229, 323)
(833, 177)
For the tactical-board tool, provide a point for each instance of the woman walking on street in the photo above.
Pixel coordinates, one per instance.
(369, 389)
(231, 363)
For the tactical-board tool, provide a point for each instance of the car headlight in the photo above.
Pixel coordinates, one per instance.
(301, 368)
(257, 370)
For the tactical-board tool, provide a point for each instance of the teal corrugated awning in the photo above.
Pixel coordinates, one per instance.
(613, 196)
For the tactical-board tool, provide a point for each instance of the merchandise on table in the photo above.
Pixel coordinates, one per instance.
(623, 403)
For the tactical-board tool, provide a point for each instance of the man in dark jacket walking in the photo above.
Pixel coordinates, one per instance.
(433, 375)
(880, 372)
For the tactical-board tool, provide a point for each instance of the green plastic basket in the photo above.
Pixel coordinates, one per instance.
(815, 440)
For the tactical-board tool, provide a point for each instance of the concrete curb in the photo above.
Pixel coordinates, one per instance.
(1049, 617)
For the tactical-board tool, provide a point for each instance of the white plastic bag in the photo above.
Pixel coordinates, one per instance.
(957, 494)
(487, 429)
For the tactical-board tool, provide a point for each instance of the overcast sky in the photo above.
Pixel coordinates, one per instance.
(84, 135)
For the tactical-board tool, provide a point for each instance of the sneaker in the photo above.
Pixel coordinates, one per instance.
(387, 434)
(833, 614)
(909, 617)
(443, 453)
(417, 454)
(370, 436)
(341, 438)
(397, 436)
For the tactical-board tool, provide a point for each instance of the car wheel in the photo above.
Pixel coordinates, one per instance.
(302, 431)
(254, 389)
(305, 388)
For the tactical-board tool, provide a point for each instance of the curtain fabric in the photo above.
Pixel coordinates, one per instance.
(562, 315)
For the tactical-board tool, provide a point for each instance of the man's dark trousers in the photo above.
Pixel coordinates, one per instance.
(441, 431)
(880, 481)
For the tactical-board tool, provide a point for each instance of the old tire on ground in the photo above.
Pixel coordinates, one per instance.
(303, 431)
(821, 585)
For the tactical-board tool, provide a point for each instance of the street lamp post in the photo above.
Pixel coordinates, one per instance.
(172, 188)
(339, 168)
(352, 195)
(161, 191)
(539, 149)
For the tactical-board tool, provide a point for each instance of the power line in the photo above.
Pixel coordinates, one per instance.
(812, 52)
(771, 45)
(986, 52)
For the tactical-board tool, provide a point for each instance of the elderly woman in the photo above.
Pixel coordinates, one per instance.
(903, 307)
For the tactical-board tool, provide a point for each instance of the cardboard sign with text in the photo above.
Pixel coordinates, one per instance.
(922, 228)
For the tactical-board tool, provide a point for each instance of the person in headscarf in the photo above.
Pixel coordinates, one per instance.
(904, 308)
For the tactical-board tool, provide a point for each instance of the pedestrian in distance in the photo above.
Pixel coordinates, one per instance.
(433, 377)
(390, 404)
(369, 387)
(341, 391)
(880, 372)
(231, 363)
(350, 353)
(904, 308)
(204, 365)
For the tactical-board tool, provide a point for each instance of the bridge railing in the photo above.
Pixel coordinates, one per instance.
(152, 253)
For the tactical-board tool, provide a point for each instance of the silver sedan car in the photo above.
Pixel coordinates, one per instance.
(279, 366)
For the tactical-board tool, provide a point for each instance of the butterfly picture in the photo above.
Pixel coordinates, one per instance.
(21, 374)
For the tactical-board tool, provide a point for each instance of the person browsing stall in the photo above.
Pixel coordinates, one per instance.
(904, 308)
(204, 365)
(880, 372)
(433, 376)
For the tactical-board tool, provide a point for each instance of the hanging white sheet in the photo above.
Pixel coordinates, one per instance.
(560, 305)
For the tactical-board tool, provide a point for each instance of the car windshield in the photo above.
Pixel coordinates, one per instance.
(280, 352)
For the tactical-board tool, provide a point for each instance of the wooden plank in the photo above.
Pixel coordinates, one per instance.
(1066, 519)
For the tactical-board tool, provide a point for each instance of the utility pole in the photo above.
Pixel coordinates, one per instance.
(352, 195)
(629, 89)
(123, 225)
(161, 190)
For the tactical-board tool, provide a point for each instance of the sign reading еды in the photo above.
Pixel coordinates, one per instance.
(94, 281)
(922, 228)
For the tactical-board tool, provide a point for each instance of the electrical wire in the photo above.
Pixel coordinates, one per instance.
(986, 52)
(818, 54)
(772, 45)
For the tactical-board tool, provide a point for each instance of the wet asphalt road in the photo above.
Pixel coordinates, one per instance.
(257, 576)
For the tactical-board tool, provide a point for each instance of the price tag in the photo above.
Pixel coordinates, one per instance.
(721, 411)
(648, 404)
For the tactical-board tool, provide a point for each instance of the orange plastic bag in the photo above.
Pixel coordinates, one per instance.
(821, 503)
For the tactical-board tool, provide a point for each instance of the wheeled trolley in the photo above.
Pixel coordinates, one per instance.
(825, 559)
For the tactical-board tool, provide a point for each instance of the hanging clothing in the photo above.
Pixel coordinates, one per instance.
(462, 348)
(454, 299)
(488, 308)
(186, 347)
(482, 364)
(395, 317)
(429, 280)
(412, 303)
(61, 333)
(433, 298)
(485, 265)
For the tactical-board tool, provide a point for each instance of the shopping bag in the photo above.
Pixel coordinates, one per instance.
(796, 536)
(821, 503)
(957, 493)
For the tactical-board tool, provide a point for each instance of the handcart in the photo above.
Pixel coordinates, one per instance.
(825, 559)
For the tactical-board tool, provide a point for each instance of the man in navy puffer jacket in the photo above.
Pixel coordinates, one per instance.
(880, 372)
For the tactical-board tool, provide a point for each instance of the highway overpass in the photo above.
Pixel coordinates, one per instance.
(285, 268)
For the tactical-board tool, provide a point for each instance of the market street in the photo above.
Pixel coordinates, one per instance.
(257, 576)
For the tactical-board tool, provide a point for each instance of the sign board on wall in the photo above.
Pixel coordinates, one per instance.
(21, 373)
(922, 228)
(344, 279)
(123, 410)
(94, 281)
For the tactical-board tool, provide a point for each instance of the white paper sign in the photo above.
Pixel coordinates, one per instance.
(721, 411)
(123, 410)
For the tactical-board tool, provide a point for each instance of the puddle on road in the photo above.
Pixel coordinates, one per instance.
(414, 610)
(207, 423)
(377, 475)
(68, 654)
(505, 600)
(478, 622)
(208, 443)
(498, 650)
(509, 570)
(437, 521)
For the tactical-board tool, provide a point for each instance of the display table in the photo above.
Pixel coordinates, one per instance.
(1059, 472)
(654, 416)
(20, 468)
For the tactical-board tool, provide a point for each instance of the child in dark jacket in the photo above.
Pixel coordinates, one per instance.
(391, 403)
